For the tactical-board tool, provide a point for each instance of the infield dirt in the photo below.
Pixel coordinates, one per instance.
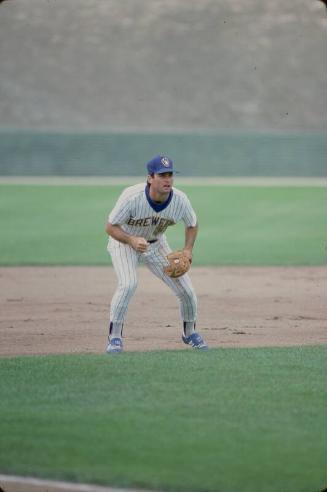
(52, 310)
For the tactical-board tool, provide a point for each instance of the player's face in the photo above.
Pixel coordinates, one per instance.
(161, 184)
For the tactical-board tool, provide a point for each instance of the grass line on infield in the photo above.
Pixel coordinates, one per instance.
(226, 420)
(239, 225)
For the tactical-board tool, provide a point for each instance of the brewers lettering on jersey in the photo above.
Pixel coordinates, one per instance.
(136, 227)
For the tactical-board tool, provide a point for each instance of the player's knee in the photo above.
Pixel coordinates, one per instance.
(188, 295)
(128, 289)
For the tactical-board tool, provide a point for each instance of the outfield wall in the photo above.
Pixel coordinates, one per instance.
(28, 153)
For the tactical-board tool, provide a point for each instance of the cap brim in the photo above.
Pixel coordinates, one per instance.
(165, 170)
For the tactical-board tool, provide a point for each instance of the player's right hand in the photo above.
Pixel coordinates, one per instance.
(139, 244)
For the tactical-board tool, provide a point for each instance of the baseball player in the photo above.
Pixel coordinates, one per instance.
(136, 227)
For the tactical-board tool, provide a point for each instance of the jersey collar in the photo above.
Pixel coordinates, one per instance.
(157, 207)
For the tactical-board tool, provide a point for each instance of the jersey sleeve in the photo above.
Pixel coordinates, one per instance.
(189, 216)
(121, 211)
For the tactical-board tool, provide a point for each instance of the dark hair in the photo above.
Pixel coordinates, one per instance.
(147, 181)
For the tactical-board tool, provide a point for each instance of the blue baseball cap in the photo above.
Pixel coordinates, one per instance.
(160, 164)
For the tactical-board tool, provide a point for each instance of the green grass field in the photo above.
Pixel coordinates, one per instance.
(250, 420)
(230, 420)
(238, 225)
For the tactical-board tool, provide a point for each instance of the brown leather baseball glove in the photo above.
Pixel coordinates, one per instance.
(179, 264)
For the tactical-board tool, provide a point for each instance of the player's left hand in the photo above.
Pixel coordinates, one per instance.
(188, 253)
(178, 264)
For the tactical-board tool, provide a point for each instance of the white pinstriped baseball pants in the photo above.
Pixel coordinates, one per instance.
(125, 261)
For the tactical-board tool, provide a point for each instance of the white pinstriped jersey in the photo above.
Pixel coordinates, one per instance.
(136, 216)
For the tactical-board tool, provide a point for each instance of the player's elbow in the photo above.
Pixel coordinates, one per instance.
(194, 228)
(108, 228)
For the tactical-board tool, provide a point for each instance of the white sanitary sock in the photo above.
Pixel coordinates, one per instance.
(115, 330)
(189, 328)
